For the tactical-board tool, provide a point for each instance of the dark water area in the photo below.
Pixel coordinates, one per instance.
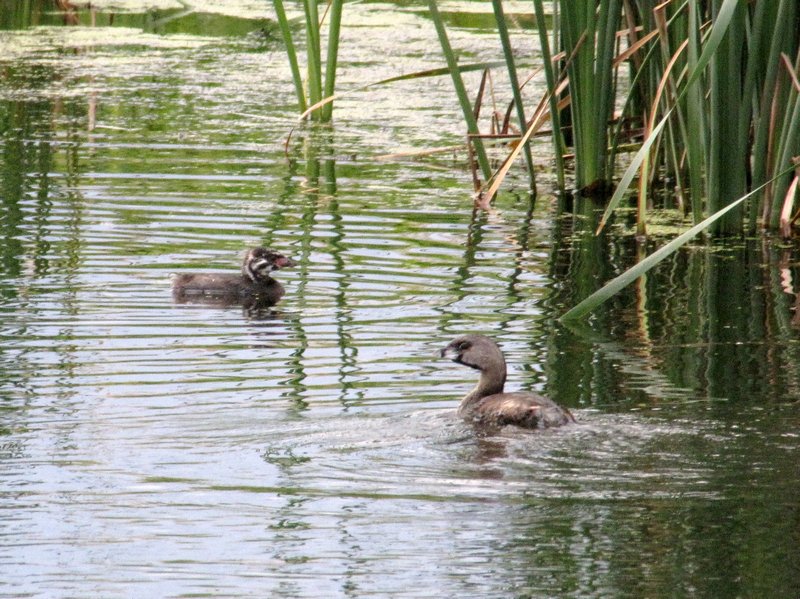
(152, 448)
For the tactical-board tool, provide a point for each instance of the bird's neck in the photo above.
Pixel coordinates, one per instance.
(490, 383)
(256, 278)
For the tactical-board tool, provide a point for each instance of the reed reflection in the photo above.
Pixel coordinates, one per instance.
(722, 323)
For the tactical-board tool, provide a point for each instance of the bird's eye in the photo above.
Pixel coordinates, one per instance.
(463, 346)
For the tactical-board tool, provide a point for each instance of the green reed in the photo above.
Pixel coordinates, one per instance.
(591, 82)
(312, 91)
(461, 91)
(709, 95)
(551, 79)
(716, 97)
(508, 54)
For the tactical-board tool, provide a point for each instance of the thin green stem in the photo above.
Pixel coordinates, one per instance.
(313, 54)
(508, 53)
(291, 54)
(461, 92)
(333, 52)
(549, 73)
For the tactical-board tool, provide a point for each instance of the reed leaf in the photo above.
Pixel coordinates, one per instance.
(550, 77)
(461, 92)
(334, 28)
(508, 53)
(291, 54)
(537, 121)
(787, 136)
(315, 91)
(785, 13)
(696, 139)
(718, 30)
(591, 82)
(727, 160)
(757, 50)
(313, 53)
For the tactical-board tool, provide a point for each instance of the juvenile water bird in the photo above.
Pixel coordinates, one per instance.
(487, 405)
(254, 285)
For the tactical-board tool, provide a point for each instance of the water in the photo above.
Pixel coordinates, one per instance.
(149, 448)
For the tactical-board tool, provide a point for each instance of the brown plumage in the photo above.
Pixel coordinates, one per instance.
(487, 404)
(254, 284)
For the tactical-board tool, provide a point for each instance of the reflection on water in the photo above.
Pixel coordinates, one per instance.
(312, 449)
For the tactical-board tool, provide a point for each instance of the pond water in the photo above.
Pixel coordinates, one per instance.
(155, 449)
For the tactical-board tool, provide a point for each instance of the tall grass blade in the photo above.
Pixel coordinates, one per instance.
(313, 54)
(508, 53)
(605, 93)
(536, 123)
(550, 77)
(291, 54)
(461, 92)
(696, 140)
(332, 56)
(718, 30)
(478, 66)
(417, 75)
(591, 83)
(788, 139)
(727, 161)
(497, 179)
(785, 14)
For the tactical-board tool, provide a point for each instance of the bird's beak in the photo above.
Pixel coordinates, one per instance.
(283, 262)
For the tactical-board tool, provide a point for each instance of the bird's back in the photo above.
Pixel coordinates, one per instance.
(208, 283)
(224, 285)
(528, 410)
